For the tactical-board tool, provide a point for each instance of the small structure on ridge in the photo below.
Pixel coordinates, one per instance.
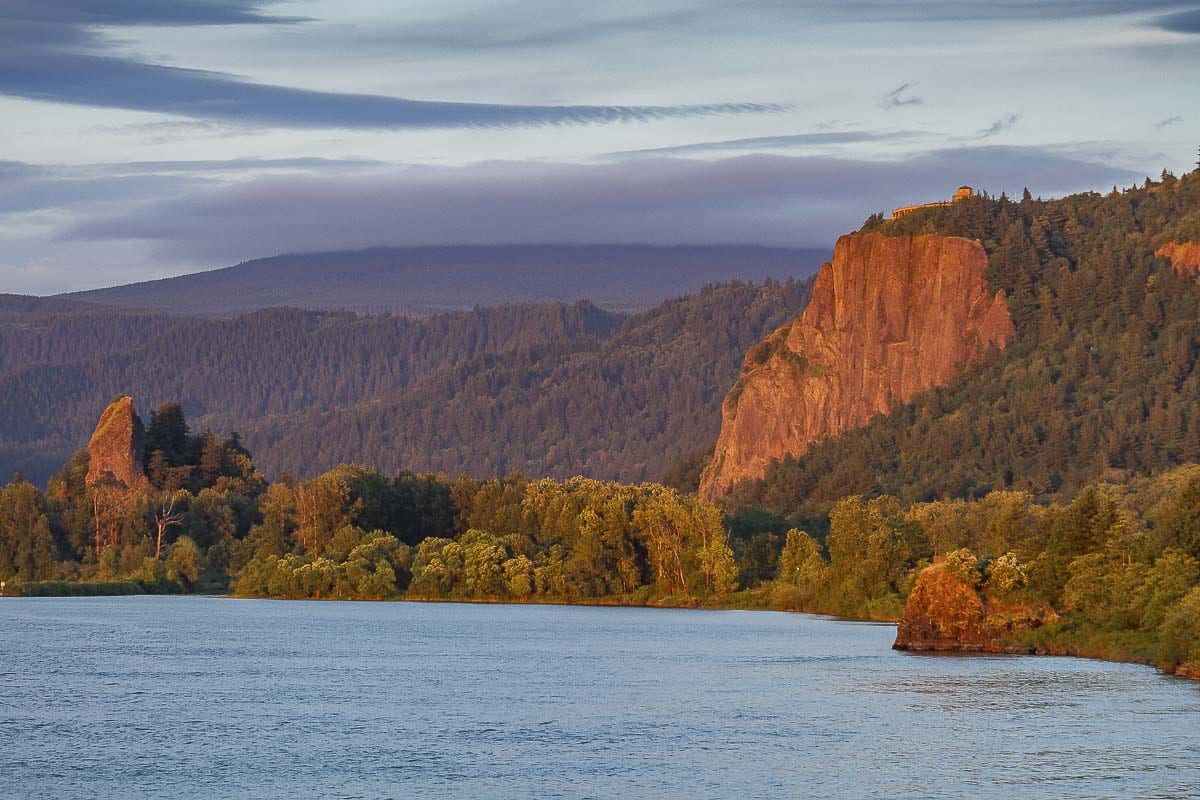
(963, 193)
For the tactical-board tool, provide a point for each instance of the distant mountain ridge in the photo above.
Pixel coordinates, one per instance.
(427, 280)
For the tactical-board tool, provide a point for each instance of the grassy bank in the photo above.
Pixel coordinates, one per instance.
(91, 588)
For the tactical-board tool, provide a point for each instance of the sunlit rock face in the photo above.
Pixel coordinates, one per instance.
(1184, 256)
(890, 317)
(944, 613)
(117, 446)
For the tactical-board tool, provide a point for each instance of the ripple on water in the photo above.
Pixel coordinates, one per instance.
(195, 698)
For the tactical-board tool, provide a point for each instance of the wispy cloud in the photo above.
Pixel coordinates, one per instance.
(82, 188)
(537, 24)
(145, 12)
(899, 97)
(785, 142)
(52, 51)
(1183, 22)
(1005, 123)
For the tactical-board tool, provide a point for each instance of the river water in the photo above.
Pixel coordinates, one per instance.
(192, 697)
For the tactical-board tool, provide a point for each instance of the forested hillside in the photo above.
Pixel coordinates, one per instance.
(429, 280)
(626, 407)
(1101, 381)
(549, 389)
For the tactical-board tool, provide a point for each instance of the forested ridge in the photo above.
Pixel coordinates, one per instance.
(1101, 381)
(551, 389)
(627, 407)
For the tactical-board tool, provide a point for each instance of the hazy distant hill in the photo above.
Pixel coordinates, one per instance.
(428, 280)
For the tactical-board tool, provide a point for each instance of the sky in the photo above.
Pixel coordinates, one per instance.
(146, 138)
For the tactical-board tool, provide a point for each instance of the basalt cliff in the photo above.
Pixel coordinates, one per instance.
(117, 445)
(890, 316)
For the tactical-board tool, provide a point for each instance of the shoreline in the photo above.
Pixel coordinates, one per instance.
(695, 604)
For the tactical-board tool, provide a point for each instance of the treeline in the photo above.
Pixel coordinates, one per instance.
(1119, 562)
(1100, 383)
(207, 521)
(575, 389)
(496, 539)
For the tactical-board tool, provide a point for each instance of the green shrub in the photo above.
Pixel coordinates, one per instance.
(1179, 636)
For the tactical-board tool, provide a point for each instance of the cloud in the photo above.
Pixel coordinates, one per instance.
(52, 52)
(146, 12)
(1183, 22)
(797, 140)
(534, 24)
(900, 96)
(33, 187)
(12, 170)
(108, 82)
(1168, 122)
(762, 199)
(1001, 125)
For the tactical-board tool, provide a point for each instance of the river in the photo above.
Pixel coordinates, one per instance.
(192, 697)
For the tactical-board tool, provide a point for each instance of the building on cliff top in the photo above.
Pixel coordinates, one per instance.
(962, 194)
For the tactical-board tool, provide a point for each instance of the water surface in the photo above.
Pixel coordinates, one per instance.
(163, 697)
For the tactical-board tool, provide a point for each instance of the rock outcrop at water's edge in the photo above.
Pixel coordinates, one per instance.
(117, 446)
(890, 317)
(946, 614)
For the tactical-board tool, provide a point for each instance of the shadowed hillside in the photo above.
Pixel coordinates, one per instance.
(547, 388)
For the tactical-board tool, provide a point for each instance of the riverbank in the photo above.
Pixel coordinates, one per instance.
(1067, 638)
(92, 588)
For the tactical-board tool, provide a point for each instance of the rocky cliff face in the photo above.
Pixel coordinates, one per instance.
(1185, 256)
(944, 613)
(890, 317)
(117, 445)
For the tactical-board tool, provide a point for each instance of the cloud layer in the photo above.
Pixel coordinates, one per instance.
(767, 199)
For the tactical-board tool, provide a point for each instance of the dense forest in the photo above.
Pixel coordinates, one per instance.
(1100, 383)
(1120, 562)
(550, 390)
(204, 519)
(627, 407)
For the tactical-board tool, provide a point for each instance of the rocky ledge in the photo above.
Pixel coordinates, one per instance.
(946, 614)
